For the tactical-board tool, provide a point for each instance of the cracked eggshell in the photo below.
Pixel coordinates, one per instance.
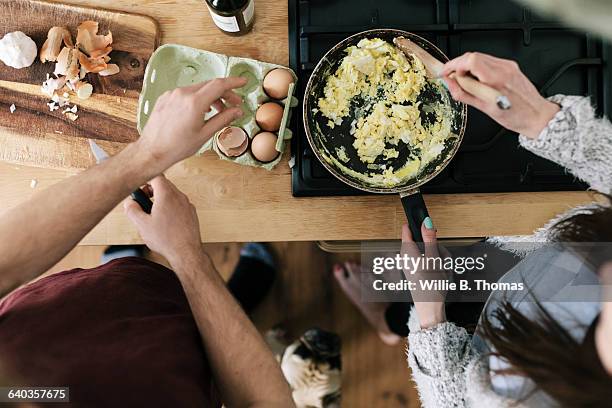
(90, 41)
(17, 50)
(111, 69)
(232, 141)
(175, 65)
(53, 44)
(84, 90)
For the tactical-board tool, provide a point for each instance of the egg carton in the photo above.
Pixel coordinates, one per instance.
(173, 66)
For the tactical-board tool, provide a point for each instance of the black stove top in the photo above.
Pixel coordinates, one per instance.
(557, 59)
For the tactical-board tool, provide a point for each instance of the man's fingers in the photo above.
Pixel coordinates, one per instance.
(221, 120)
(148, 190)
(160, 185)
(218, 105)
(134, 212)
(216, 88)
(232, 98)
(194, 87)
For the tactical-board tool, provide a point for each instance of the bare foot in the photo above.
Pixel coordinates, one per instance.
(348, 276)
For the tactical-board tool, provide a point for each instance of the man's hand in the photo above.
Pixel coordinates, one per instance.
(172, 229)
(177, 129)
(39, 238)
(530, 112)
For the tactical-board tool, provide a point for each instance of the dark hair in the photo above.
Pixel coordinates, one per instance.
(594, 224)
(544, 351)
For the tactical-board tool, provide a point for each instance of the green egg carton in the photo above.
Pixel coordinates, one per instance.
(173, 66)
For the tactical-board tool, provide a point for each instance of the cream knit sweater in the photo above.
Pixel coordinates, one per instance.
(446, 368)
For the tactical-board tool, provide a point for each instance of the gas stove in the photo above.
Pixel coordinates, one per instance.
(556, 58)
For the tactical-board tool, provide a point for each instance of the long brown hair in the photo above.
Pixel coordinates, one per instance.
(541, 349)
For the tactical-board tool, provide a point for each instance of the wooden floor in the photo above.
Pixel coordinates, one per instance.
(304, 296)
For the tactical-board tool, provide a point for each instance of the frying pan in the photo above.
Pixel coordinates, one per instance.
(327, 142)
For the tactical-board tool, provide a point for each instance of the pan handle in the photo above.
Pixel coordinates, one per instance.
(416, 212)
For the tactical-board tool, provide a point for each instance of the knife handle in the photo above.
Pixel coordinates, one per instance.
(143, 200)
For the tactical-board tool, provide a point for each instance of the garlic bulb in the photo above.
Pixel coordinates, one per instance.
(17, 50)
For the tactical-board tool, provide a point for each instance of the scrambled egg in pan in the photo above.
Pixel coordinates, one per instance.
(386, 84)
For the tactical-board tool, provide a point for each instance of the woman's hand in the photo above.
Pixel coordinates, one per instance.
(429, 304)
(172, 229)
(530, 112)
(177, 129)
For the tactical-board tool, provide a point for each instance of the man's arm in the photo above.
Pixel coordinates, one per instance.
(243, 366)
(41, 231)
(38, 233)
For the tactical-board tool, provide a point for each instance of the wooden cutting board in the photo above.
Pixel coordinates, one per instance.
(33, 135)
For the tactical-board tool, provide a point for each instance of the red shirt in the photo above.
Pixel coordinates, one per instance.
(121, 334)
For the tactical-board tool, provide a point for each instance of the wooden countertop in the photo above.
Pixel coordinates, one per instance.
(237, 203)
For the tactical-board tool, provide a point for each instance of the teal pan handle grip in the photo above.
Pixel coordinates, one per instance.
(416, 212)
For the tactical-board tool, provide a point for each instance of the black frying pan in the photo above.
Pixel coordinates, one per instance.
(325, 141)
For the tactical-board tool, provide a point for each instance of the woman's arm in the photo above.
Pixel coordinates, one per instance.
(530, 111)
(438, 351)
(38, 233)
(578, 141)
(562, 129)
(438, 357)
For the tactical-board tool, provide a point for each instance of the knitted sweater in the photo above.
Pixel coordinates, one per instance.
(446, 367)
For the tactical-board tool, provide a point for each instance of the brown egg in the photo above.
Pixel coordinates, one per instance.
(269, 116)
(263, 147)
(232, 141)
(276, 83)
